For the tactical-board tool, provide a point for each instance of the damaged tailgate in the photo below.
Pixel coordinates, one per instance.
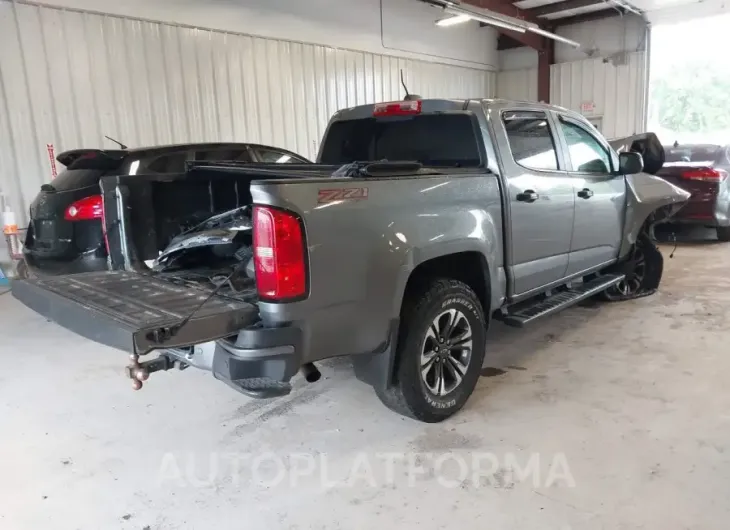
(134, 312)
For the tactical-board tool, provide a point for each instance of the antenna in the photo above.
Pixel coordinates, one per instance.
(120, 144)
(409, 97)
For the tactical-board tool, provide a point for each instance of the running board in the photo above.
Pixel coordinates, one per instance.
(525, 313)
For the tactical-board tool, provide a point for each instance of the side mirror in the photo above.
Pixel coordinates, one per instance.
(630, 163)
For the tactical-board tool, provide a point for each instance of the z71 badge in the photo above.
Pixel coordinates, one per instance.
(342, 194)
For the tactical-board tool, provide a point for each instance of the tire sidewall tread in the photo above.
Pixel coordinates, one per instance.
(409, 395)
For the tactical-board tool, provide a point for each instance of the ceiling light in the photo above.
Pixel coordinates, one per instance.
(450, 21)
(501, 21)
(456, 11)
(553, 36)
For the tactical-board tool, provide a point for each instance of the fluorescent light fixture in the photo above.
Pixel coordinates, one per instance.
(450, 21)
(496, 19)
(553, 36)
(457, 11)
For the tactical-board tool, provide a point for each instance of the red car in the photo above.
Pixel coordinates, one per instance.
(702, 170)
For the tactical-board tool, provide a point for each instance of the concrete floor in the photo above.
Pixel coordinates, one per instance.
(634, 395)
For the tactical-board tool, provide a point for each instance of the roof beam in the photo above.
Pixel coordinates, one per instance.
(549, 9)
(588, 17)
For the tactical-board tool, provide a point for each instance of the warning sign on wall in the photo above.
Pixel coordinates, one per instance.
(587, 107)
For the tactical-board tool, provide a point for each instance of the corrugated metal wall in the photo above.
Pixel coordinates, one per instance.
(518, 84)
(616, 90)
(69, 77)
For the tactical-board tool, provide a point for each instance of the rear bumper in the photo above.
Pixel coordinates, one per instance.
(707, 211)
(707, 215)
(261, 361)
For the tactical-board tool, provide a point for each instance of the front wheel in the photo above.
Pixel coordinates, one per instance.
(723, 233)
(441, 347)
(642, 271)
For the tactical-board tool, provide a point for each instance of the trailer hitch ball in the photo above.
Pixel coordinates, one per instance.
(136, 385)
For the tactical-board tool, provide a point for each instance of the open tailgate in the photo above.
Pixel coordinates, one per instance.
(134, 312)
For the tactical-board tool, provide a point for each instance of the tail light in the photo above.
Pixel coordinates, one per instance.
(85, 209)
(398, 108)
(706, 174)
(279, 259)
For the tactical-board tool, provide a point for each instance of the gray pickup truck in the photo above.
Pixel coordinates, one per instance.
(422, 221)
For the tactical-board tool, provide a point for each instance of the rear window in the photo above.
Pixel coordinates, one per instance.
(72, 179)
(448, 140)
(707, 154)
(85, 168)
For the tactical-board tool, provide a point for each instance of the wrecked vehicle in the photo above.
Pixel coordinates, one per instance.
(422, 221)
(64, 234)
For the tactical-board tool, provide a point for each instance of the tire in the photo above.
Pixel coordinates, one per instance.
(723, 233)
(410, 394)
(652, 264)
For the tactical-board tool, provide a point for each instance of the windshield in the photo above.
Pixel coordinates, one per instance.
(445, 140)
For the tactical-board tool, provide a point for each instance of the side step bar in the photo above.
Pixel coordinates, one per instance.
(524, 313)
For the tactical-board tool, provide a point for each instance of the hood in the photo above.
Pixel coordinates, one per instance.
(647, 145)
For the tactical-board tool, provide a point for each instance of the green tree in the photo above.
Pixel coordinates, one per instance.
(692, 98)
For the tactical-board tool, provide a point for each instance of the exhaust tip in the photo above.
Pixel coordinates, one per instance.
(311, 373)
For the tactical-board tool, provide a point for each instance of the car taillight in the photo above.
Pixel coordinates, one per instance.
(397, 108)
(85, 209)
(279, 259)
(705, 174)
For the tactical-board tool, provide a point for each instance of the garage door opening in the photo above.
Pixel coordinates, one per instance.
(689, 90)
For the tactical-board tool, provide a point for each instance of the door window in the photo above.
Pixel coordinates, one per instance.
(587, 154)
(531, 140)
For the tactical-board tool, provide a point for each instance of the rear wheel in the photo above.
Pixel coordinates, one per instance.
(723, 233)
(440, 351)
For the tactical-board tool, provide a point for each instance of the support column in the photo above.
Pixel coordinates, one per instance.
(545, 59)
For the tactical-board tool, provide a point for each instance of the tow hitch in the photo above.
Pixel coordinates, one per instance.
(139, 372)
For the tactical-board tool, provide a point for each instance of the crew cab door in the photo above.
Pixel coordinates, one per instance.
(541, 199)
(600, 195)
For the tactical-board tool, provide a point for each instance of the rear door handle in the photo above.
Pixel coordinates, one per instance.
(585, 193)
(528, 196)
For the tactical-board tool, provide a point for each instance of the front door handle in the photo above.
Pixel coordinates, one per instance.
(585, 193)
(528, 196)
